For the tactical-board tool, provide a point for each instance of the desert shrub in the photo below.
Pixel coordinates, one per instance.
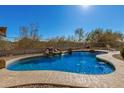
(2, 63)
(122, 52)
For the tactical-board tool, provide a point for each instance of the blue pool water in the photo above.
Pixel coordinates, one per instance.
(77, 62)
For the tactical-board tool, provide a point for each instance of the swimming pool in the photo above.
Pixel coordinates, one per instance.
(77, 62)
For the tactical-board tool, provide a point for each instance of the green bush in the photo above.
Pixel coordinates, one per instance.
(122, 52)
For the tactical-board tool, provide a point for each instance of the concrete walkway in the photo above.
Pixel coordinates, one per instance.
(116, 79)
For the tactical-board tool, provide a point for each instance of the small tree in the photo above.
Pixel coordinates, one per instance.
(28, 37)
(34, 32)
(100, 37)
(79, 33)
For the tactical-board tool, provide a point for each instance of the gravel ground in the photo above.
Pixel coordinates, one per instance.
(41, 86)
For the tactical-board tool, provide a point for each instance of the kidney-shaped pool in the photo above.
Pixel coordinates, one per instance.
(77, 62)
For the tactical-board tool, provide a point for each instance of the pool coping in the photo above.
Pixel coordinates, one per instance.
(115, 79)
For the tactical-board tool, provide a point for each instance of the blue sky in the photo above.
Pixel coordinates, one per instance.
(61, 20)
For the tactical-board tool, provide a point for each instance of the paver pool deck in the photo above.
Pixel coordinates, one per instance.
(10, 78)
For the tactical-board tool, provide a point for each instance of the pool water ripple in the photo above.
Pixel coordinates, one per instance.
(77, 62)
